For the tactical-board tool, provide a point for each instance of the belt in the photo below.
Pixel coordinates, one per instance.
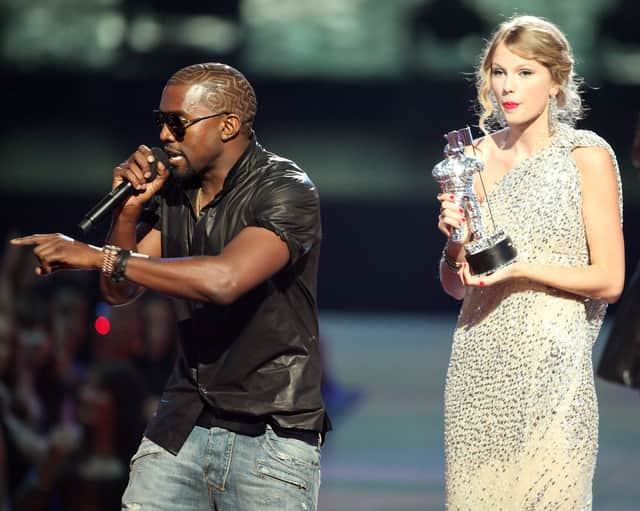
(310, 437)
(253, 426)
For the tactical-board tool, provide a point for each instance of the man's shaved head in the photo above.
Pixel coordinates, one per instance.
(227, 90)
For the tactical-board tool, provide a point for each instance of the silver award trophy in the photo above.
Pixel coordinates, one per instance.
(485, 253)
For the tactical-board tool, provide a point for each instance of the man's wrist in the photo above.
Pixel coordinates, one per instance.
(123, 230)
(127, 215)
(114, 262)
(98, 257)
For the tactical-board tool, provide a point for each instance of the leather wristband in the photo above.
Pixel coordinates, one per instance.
(120, 265)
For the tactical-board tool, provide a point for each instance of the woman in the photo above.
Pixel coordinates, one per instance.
(521, 414)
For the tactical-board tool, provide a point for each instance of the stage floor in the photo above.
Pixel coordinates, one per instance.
(386, 452)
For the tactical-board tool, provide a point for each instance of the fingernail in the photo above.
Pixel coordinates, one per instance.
(150, 159)
(452, 197)
(464, 219)
(481, 283)
(461, 210)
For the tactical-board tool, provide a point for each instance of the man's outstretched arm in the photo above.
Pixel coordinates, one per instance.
(248, 260)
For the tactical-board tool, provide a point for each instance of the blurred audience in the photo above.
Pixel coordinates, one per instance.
(75, 397)
(73, 401)
(155, 360)
(86, 463)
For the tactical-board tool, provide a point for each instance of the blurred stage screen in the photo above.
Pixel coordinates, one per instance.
(358, 92)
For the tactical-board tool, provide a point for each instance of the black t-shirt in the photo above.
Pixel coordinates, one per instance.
(257, 358)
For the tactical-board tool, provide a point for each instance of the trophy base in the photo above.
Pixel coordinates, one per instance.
(489, 254)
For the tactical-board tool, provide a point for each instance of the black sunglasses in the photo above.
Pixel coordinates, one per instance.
(176, 123)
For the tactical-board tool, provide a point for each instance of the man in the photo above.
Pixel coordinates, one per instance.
(233, 233)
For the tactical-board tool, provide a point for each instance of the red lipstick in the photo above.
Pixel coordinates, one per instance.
(510, 105)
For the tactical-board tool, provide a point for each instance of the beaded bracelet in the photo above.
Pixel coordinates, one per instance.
(110, 255)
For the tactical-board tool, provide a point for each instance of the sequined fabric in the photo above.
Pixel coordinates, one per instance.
(521, 414)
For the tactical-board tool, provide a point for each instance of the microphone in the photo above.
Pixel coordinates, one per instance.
(120, 194)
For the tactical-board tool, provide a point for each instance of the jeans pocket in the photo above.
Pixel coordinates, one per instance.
(283, 473)
(291, 450)
(146, 448)
(288, 460)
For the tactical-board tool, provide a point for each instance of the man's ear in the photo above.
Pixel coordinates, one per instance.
(230, 127)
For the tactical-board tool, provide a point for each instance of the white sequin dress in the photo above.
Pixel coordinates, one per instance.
(521, 417)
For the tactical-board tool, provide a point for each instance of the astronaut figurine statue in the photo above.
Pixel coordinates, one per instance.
(485, 252)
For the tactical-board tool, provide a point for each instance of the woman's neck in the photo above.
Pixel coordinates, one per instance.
(525, 140)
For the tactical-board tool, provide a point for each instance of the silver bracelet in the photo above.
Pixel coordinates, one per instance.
(452, 265)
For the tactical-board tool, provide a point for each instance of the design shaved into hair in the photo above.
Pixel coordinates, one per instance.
(227, 89)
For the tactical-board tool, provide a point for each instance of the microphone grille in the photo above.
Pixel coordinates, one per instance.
(159, 155)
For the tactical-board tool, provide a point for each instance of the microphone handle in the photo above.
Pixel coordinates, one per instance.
(120, 193)
(110, 201)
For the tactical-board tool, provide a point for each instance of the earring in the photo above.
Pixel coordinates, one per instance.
(497, 115)
(553, 114)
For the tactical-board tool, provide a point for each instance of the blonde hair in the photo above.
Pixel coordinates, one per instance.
(535, 38)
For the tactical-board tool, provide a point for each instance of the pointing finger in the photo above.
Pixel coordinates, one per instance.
(34, 239)
(37, 239)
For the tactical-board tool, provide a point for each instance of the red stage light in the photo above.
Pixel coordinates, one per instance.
(102, 325)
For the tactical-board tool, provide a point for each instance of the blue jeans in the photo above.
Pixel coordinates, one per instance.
(223, 471)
